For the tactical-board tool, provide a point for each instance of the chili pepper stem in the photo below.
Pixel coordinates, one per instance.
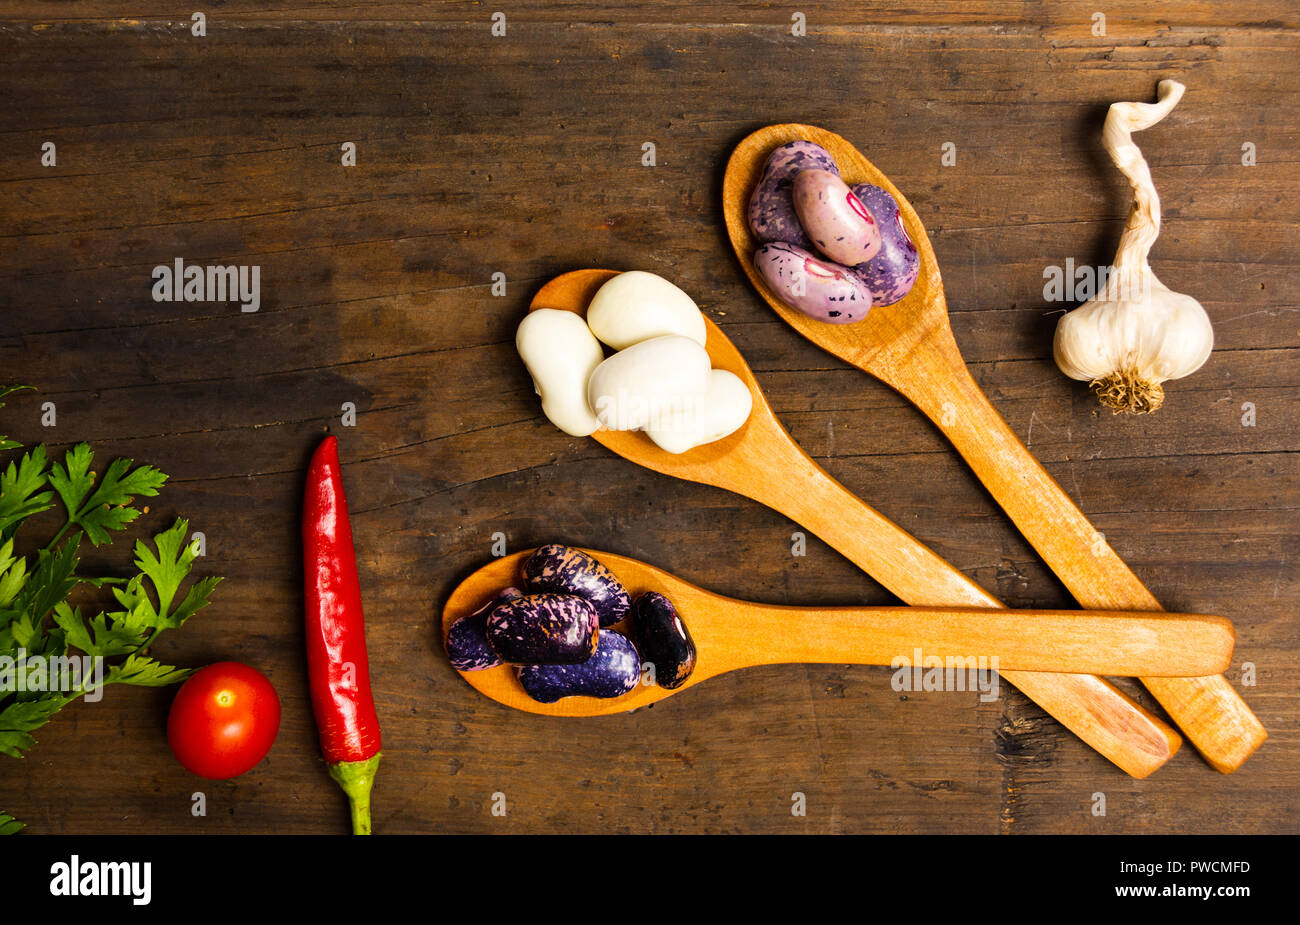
(356, 778)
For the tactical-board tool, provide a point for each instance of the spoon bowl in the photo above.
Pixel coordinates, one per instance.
(888, 335)
(731, 634)
(573, 292)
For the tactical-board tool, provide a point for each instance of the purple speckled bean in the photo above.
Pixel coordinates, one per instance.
(467, 643)
(564, 570)
(822, 290)
(771, 205)
(890, 274)
(611, 672)
(546, 629)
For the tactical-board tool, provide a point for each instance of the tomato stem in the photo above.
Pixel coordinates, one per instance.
(356, 778)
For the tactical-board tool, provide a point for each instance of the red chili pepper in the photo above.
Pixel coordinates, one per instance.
(337, 667)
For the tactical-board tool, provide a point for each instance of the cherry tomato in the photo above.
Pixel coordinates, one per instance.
(223, 720)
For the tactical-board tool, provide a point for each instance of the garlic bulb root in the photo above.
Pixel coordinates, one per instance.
(1126, 391)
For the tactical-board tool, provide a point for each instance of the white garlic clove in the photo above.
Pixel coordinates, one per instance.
(1188, 336)
(720, 411)
(561, 353)
(636, 306)
(647, 383)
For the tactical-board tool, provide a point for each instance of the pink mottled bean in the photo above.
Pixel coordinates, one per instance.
(836, 221)
(821, 290)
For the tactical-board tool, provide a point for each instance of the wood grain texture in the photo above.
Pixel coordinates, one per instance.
(522, 155)
(910, 347)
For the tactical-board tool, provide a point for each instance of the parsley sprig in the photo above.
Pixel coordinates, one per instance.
(38, 619)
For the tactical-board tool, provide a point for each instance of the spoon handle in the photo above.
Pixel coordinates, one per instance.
(1100, 642)
(1208, 709)
(1090, 706)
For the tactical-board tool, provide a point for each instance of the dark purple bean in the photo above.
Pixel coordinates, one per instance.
(890, 274)
(663, 640)
(771, 206)
(467, 644)
(614, 670)
(565, 570)
(548, 629)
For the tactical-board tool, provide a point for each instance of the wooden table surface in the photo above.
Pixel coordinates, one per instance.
(522, 155)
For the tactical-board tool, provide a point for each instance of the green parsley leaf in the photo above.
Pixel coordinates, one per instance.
(108, 507)
(102, 636)
(19, 718)
(143, 671)
(73, 480)
(166, 571)
(13, 574)
(32, 714)
(52, 581)
(36, 617)
(20, 491)
(14, 744)
(5, 442)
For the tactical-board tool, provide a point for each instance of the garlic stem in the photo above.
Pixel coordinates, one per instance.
(1143, 225)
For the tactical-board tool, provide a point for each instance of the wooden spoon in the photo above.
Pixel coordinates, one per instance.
(731, 634)
(910, 347)
(762, 461)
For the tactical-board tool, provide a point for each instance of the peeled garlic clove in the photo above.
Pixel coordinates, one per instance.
(720, 411)
(648, 382)
(1136, 333)
(561, 353)
(637, 306)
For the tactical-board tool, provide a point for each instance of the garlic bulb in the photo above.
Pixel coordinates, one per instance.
(1135, 333)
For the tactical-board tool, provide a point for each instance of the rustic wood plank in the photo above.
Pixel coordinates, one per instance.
(923, 15)
(523, 156)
